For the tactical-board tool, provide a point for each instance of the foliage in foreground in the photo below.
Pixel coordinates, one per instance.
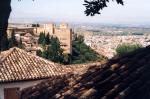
(94, 7)
(126, 48)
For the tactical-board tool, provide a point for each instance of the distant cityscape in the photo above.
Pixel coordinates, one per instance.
(104, 39)
(101, 38)
(106, 45)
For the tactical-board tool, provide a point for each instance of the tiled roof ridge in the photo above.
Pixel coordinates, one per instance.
(6, 53)
(11, 50)
(18, 65)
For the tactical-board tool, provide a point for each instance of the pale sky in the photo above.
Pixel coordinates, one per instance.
(134, 11)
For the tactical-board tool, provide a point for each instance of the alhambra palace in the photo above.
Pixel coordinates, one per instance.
(29, 35)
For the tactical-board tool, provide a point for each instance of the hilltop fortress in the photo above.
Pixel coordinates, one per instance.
(62, 32)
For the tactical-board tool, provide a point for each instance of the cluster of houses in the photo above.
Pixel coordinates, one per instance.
(29, 35)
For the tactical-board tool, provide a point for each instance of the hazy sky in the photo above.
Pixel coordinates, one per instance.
(134, 11)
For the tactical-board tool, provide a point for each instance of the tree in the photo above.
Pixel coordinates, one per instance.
(67, 59)
(45, 54)
(95, 6)
(4, 42)
(83, 53)
(5, 9)
(12, 41)
(44, 42)
(47, 38)
(41, 38)
(39, 53)
(55, 50)
(35, 25)
(79, 38)
(126, 48)
(20, 45)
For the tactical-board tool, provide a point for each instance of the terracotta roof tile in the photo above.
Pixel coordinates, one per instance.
(126, 77)
(16, 65)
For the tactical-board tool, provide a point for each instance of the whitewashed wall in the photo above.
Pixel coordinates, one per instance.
(20, 85)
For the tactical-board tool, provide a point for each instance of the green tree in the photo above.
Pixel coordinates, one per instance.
(126, 48)
(95, 6)
(55, 50)
(45, 54)
(47, 39)
(5, 9)
(4, 42)
(83, 53)
(20, 45)
(41, 38)
(44, 42)
(79, 38)
(39, 53)
(35, 25)
(12, 41)
(67, 59)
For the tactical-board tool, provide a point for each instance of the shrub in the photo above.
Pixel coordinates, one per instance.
(126, 48)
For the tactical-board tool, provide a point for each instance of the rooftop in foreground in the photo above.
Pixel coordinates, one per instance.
(18, 65)
(126, 77)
